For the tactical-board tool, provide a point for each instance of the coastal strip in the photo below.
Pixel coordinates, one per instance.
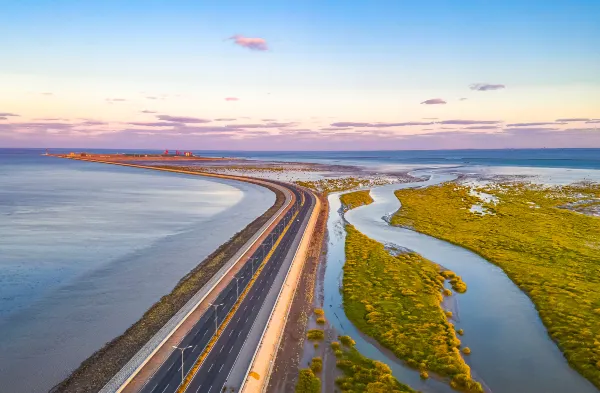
(96, 371)
(258, 374)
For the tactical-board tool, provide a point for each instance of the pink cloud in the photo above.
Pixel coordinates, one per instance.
(258, 44)
(231, 99)
(434, 101)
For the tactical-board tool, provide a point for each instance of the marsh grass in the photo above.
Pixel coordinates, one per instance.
(549, 251)
(396, 300)
(361, 374)
(355, 199)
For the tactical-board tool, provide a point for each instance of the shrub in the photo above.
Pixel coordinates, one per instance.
(315, 334)
(319, 312)
(347, 341)
(316, 365)
(308, 382)
(448, 314)
(335, 345)
(316, 345)
(424, 375)
(466, 350)
(447, 292)
(321, 321)
(460, 331)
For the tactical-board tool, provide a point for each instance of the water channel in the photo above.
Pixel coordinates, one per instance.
(511, 350)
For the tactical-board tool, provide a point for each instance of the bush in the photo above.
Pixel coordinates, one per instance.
(319, 312)
(461, 332)
(347, 341)
(335, 345)
(316, 345)
(321, 321)
(308, 382)
(447, 292)
(316, 365)
(466, 350)
(424, 375)
(315, 334)
(448, 314)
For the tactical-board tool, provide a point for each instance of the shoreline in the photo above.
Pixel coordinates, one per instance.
(94, 372)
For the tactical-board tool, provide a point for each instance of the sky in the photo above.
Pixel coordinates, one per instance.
(300, 75)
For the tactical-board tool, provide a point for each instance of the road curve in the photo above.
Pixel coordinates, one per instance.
(211, 376)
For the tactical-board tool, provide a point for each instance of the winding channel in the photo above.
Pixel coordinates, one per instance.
(511, 349)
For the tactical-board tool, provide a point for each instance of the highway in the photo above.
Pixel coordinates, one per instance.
(212, 375)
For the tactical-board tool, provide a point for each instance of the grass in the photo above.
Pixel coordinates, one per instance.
(361, 374)
(355, 199)
(552, 253)
(396, 300)
(100, 367)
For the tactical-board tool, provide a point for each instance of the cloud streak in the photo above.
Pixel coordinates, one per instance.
(468, 122)
(434, 101)
(572, 119)
(486, 86)
(256, 44)
(231, 99)
(182, 119)
(345, 124)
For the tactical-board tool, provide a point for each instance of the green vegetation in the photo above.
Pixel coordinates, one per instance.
(460, 332)
(335, 345)
(362, 374)
(321, 321)
(308, 382)
(355, 199)
(315, 334)
(316, 365)
(337, 184)
(396, 300)
(319, 312)
(456, 281)
(550, 251)
(347, 341)
(466, 350)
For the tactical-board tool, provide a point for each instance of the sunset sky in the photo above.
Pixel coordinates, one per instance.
(300, 75)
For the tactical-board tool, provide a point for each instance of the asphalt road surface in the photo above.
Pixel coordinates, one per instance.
(212, 375)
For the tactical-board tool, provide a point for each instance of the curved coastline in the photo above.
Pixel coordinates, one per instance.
(95, 371)
(504, 329)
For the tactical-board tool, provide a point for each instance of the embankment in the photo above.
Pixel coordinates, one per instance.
(98, 369)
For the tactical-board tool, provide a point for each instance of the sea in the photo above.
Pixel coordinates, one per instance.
(86, 248)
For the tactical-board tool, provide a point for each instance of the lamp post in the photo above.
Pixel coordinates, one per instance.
(216, 321)
(237, 288)
(182, 350)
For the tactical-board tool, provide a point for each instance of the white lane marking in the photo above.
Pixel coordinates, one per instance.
(220, 350)
(193, 349)
(220, 368)
(165, 388)
(154, 388)
(179, 368)
(231, 331)
(211, 366)
(230, 348)
(208, 391)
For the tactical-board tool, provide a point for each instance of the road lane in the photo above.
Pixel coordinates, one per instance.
(221, 358)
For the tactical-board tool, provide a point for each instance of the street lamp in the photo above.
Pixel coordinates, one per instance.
(216, 322)
(237, 288)
(182, 350)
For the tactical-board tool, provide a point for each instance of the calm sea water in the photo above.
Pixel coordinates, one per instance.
(541, 158)
(86, 248)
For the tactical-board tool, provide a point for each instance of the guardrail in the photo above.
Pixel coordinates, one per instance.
(139, 360)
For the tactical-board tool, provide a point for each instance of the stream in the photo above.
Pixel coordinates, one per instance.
(511, 349)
